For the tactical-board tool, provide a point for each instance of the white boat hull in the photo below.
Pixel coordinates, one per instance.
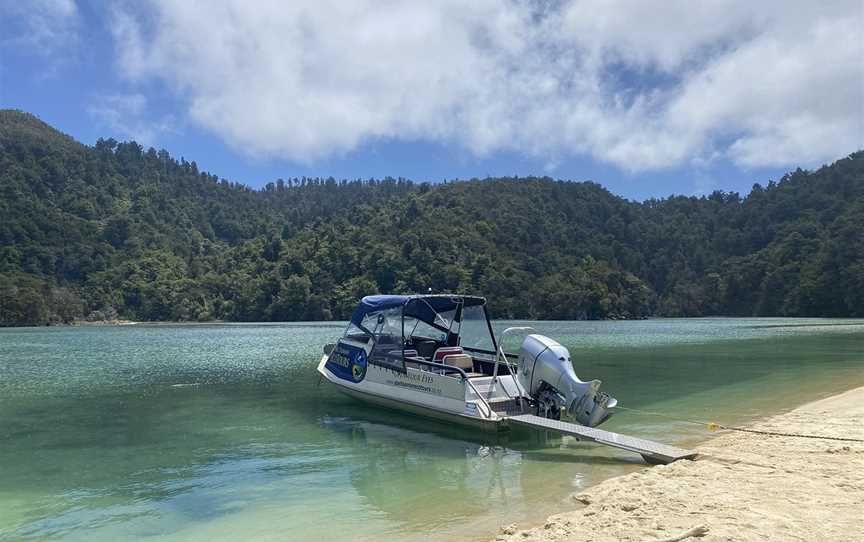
(418, 392)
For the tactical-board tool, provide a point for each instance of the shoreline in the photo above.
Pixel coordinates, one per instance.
(97, 323)
(836, 321)
(742, 486)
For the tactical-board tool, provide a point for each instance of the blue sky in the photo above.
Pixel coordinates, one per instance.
(735, 94)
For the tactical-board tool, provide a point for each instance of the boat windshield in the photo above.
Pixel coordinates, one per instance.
(356, 334)
(421, 325)
(475, 332)
(419, 329)
(385, 326)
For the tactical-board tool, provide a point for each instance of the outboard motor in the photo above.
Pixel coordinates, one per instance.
(546, 373)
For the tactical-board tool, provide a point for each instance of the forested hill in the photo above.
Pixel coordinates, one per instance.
(115, 230)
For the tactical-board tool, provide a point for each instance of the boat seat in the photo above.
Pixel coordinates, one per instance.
(463, 361)
(438, 357)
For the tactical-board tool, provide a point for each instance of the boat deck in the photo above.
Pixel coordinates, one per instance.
(653, 452)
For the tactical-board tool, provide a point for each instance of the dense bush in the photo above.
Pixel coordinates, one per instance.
(116, 230)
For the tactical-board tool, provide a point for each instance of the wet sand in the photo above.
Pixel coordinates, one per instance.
(742, 487)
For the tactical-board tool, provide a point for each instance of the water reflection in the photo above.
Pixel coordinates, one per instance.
(399, 471)
(423, 473)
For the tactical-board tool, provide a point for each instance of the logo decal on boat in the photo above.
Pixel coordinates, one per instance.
(348, 362)
(358, 367)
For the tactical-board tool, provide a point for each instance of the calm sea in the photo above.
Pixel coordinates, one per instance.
(222, 432)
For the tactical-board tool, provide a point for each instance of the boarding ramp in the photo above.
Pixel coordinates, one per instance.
(652, 452)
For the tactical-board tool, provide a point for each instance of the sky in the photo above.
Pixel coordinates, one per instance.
(646, 98)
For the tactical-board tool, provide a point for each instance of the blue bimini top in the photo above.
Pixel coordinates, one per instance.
(422, 307)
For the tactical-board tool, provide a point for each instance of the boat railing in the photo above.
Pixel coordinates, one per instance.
(500, 355)
(463, 374)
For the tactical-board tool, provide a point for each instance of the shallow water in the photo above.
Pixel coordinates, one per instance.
(220, 432)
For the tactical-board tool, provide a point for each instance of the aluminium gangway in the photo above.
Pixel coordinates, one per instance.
(652, 452)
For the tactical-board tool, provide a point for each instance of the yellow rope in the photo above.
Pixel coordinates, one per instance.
(714, 426)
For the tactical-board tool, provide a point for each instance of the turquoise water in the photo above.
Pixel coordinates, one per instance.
(221, 432)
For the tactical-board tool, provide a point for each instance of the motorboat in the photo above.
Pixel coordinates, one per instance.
(437, 355)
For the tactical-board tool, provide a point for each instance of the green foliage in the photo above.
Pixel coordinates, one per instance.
(22, 305)
(115, 230)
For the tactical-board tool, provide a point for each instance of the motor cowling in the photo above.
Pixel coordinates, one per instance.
(546, 373)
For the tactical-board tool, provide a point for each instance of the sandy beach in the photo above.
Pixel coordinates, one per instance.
(743, 486)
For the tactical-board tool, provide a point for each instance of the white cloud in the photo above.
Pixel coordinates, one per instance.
(639, 85)
(45, 27)
(128, 117)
